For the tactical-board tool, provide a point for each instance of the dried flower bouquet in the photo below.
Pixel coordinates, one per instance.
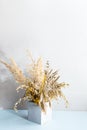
(40, 86)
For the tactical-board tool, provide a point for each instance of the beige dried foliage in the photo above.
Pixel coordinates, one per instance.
(42, 84)
(15, 70)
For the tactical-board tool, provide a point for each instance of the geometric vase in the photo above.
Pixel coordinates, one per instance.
(35, 114)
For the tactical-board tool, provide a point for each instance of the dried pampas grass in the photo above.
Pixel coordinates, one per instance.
(42, 84)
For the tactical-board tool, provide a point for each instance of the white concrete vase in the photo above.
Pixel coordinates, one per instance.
(35, 114)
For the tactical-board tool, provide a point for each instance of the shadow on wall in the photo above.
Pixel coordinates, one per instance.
(8, 94)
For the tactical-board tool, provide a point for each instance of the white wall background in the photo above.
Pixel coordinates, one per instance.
(53, 29)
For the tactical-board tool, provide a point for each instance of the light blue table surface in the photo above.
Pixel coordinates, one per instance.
(61, 120)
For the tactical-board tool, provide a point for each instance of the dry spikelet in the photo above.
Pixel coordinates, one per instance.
(14, 69)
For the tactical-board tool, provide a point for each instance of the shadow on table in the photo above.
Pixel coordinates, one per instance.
(20, 113)
(16, 119)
